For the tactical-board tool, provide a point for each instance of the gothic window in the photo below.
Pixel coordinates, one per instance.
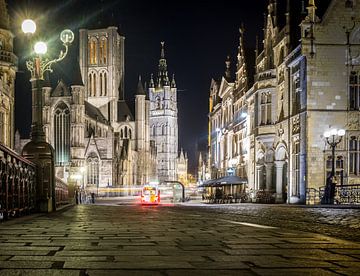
(163, 130)
(153, 130)
(129, 133)
(93, 51)
(158, 103)
(296, 168)
(103, 50)
(354, 155)
(93, 169)
(265, 108)
(296, 94)
(92, 84)
(103, 83)
(121, 134)
(62, 134)
(354, 90)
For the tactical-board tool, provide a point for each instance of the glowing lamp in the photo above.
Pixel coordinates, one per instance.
(40, 48)
(341, 132)
(327, 134)
(28, 26)
(67, 36)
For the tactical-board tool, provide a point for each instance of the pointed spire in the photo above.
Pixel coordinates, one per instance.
(173, 83)
(4, 16)
(312, 10)
(162, 54)
(46, 82)
(228, 71)
(151, 84)
(140, 88)
(240, 56)
(163, 78)
(76, 77)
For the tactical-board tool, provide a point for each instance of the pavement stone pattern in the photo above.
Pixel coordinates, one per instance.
(165, 240)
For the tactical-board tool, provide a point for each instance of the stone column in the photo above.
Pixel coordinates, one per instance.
(259, 177)
(269, 167)
(279, 166)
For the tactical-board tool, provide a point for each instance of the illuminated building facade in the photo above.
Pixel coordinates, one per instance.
(271, 132)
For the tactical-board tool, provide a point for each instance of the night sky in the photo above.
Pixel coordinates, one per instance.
(198, 36)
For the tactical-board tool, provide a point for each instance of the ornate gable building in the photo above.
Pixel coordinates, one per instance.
(8, 68)
(272, 132)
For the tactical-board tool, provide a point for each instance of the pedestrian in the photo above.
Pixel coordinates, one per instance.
(93, 198)
(76, 197)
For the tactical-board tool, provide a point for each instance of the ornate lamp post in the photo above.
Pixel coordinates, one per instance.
(38, 150)
(333, 138)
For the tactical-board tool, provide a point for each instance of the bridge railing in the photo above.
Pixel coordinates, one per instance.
(17, 184)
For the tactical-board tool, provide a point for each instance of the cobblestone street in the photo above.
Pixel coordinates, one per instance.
(172, 240)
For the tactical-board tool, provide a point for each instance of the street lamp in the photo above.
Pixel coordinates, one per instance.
(333, 138)
(38, 150)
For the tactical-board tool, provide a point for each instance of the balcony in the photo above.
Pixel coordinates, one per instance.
(8, 57)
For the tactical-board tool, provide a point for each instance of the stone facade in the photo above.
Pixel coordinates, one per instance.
(164, 123)
(272, 132)
(8, 68)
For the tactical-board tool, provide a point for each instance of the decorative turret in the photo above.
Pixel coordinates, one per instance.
(151, 84)
(173, 83)
(227, 70)
(312, 11)
(163, 79)
(240, 55)
(140, 89)
(4, 16)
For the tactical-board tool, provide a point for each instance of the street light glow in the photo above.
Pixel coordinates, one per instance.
(28, 26)
(327, 134)
(40, 48)
(341, 132)
(67, 36)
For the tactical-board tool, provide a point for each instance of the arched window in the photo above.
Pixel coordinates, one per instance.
(101, 84)
(103, 50)
(126, 132)
(153, 130)
(121, 134)
(93, 51)
(62, 134)
(163, 130)
(92, 84)
(129, 133)
(93, 169)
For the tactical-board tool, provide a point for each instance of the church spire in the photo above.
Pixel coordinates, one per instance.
(311, 10)
(4, 16)
(173, 83)
(163, 78)
(151, 84)
(140, 89)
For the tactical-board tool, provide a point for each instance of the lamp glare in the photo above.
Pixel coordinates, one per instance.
(28, 26)
(40, 48)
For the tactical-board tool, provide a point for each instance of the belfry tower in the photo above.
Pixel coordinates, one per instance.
(164, 120)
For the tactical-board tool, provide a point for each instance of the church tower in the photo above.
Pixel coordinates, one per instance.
(8, 68)
(102, 68)
(164, 120)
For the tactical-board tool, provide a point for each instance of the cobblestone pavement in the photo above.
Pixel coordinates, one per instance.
(165, 240)
(340, 222)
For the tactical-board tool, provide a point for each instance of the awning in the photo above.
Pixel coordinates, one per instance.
(224, 181)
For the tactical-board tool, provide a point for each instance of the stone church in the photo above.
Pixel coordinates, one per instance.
(98, 142)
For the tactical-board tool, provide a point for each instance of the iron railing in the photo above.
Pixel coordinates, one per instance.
(344, 194)
(61, 192)
(17, 184)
